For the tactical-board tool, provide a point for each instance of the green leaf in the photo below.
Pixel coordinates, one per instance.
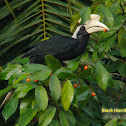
(10, 108)
(122, 69)
(41, 97)
(94, 56)
(71, 118)
(74, 21)
(83, 96)
(83, 92)
(27, 116)
(40, 75)
(54, 123)
(56, 30)
(22, 61)
(107, 15)
(82, 119)
(108, 3)
(47, 116)
(9, 71)
(114, 66)
(63, 119)
(3, 91)
(122, 42)
(73, 65)
(34, 68)
(85, 74)
(109, 42)
(67, 95)
(55, 87)
(118, 84)
(85, 13)
(64, 72)
(74, 102)
(112, 122)
(41, 72)
(23, 75)
(22, 89)
(26, 101)
(52, 62)
(102, 76)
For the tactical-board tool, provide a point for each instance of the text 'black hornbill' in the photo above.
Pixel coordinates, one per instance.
(63, 47)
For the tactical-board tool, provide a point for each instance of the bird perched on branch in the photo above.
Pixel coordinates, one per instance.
(63, 47)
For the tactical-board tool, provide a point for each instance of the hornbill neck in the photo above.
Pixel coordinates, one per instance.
(82, 43)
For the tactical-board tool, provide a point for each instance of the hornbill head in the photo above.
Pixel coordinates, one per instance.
(92, 25)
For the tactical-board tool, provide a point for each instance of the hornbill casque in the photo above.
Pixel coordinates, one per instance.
(63, 47)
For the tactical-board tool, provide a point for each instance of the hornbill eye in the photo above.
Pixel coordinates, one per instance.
(82, 28)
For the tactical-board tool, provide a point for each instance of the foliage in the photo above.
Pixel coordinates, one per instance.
(54, 100)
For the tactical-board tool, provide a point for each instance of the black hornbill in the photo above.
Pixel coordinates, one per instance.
(63, 47)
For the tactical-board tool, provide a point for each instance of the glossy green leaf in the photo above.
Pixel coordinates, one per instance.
(73, 65)
(122, 69)
(5, 90)
(102, 76)
(84, 74)
(27, 116)
(71, 118)
(114, 66)
(107, 15)
(20, 78)
(74, 21)
(122, 41)
(41, 72)
(40, 75)
(64, 72)
(118, 84)
(34, 67)
(22, 61)
(83, 96)
(46, 117)
(24, 105)
(112, 122)
(52, 62)
(22, 89)
(85, 13)
(83, 92)
(74, 102)
(10, 108)
(63, 119)
(94, 56)
(41, 97)
(54, 123)
(55, 87)
(67, 95)
(26, 101)
(108, 45)
(9, 71)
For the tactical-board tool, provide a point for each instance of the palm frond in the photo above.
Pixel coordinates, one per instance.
(33, 21)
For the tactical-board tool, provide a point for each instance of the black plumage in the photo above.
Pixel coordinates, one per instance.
(61, 47)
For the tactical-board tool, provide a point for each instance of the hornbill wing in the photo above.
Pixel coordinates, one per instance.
(52, 46)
